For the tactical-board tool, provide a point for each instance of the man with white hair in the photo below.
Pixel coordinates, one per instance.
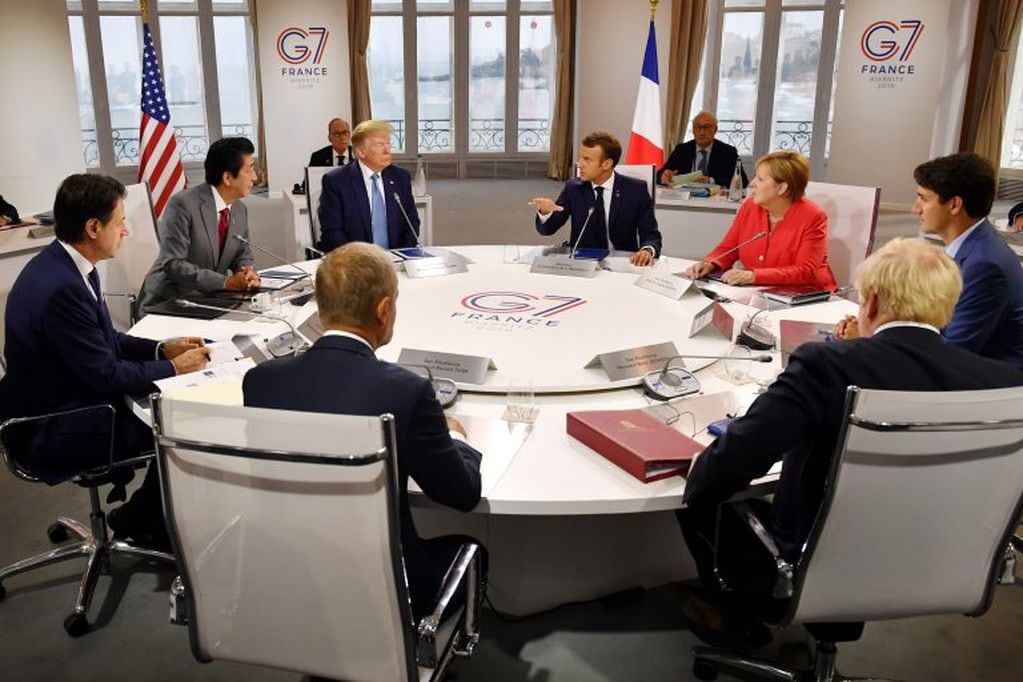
(713, 158)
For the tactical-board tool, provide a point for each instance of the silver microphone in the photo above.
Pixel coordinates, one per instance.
(589, 214)
(758, 235)
(675, 382)
(408, 221)
(667, 378)
(279, 259)
(282, 345)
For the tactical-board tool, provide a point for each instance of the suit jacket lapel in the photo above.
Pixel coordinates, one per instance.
(616, 204)
(395, 221)
(208, 212)
(969, 243)
(230, 244)
(362, 199)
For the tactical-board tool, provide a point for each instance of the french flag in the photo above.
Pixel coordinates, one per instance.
(647, 133)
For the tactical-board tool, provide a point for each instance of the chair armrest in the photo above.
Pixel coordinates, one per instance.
(312, 253)
(464, 568)
(133, 300)
(783, 581)
(25, 473)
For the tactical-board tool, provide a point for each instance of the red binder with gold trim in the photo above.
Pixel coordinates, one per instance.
(644, 446)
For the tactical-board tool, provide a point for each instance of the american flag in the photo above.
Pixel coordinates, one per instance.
(159, 163)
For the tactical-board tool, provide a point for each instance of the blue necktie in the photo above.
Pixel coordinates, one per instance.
(702, 166)
(379, 215)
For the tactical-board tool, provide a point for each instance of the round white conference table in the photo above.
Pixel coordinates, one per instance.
(561, 522)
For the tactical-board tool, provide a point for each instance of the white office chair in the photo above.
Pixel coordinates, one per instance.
(313, 189)
(647, 174)
(922, 497)
(288, 534)
(123, 275)
(852, 220)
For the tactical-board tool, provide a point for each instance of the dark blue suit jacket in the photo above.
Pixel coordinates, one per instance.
(988, 318)
(62, 353)
(342, 376)
(632, 224)
(797, 420)
(720, 165)
(344, 208)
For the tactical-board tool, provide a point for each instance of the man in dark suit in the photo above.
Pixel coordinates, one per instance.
(8, 214)
(198, 249)
(369, 200)
(954, 196)
(798, 419)
(62, 351)
(712, 157)
(356, 290)
(339, 151)
(619, 208)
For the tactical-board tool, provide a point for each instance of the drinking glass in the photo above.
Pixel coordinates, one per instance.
(521, 405)
(738, 364)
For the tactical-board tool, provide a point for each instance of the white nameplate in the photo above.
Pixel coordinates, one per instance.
(433, 267)
(634, 362)
(565, 266)
(665, 284)
(467, 369)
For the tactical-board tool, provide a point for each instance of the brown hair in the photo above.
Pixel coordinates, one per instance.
(350, 282)
(609, 145)
(788, 167)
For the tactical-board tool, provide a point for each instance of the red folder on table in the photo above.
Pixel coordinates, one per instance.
(644, 446)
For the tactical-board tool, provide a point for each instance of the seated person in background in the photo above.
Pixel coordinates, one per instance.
(339, 151)
(794, 248)
(954, 194)
(619, 208)
(368, 201)
(908, 289)
(198, 249)
(712, 157)
(1016, 218)
(8, 214)
(62, 351)
(356, 290)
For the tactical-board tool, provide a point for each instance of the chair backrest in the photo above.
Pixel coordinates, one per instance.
(125, 272)
(852, 220)
(285, 526)
(647, 174)
(313, 189)
(921, 500)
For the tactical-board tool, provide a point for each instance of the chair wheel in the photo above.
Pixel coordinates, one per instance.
(57, 533)
(704, 670)
(76, 624)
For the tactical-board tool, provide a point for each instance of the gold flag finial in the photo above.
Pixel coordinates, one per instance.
(653, 9)
(144, 3)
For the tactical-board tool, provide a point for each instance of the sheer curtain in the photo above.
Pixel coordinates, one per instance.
(688, 36)
(560, 165)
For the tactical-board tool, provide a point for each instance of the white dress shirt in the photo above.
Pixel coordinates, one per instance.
(952, 248)
(367, 177)
(82, 263)
(906, 323)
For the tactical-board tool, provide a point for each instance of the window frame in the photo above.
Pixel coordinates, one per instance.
(763, 123)
(460, 12)
(90, 11)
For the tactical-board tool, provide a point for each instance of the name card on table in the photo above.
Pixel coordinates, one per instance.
(564, 266)
(468, 369)
(634, 362)
(715, 316)
(433, 267)
(665, 284)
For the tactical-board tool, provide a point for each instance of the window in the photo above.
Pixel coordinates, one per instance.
(1012, 138)
(206, 54)
(768, 73)
(464, 79)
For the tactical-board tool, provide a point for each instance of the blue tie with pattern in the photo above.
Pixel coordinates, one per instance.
(378, 215)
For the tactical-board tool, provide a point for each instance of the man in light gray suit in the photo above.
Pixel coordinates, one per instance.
(198, 251)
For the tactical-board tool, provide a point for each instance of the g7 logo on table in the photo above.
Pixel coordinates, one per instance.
(884, 41)
(518, 302)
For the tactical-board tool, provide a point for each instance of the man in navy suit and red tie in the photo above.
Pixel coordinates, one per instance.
(619, 208)
(369, 200)
(63, 353)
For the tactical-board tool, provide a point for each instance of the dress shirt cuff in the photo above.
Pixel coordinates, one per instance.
(650, 248)
(455, 435)
(158, 351)
(542, 217)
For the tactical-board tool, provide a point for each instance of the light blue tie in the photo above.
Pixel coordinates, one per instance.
(379, 215)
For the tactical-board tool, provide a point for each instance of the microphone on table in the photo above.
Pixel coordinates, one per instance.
(276, 257)
(445, 389)
(408, 221)
(282, 345)
(589, 214)
(674, 382)
(758, 235)
(296, 299)
(756, 336)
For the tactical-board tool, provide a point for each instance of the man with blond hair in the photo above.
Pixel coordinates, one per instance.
(908, 290)
(356, 293)
(369, 200)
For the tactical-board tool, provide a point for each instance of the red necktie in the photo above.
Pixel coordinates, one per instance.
(225, 219)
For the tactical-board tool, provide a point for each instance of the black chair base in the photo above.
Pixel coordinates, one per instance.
(708, 660)
(93, 543)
